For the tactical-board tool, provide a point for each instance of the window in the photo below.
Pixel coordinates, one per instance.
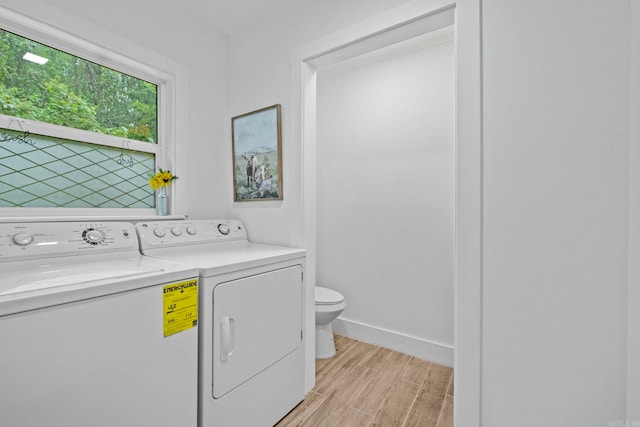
(75, 133)
(45, 84)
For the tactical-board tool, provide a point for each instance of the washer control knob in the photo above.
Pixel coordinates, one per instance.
(22, 239)
(176, 231)
(223, 229)
(159, 232)
(191, 230)
(93, 236)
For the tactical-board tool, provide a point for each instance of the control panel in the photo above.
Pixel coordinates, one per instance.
(52, 239)
(176, 233)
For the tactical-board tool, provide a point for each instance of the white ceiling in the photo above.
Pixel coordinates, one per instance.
(231, 16)
(227, 17)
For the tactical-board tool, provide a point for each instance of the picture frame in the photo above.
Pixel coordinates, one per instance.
(257, 155)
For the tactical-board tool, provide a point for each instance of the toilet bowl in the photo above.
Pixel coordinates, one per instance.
(329, 305)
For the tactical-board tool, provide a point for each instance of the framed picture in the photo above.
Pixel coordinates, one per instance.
(257, 155)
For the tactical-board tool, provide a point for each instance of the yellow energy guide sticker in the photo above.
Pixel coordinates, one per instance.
(180, 306)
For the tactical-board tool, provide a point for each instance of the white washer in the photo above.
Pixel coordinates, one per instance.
(252, 305)
(85, 339)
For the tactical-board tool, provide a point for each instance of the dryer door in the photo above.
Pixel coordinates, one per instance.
(257, 320)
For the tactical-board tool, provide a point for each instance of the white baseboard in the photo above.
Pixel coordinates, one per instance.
(439, 353)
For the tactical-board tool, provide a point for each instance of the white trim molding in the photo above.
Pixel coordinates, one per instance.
(436, 352)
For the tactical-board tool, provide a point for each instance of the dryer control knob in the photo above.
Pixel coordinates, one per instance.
(159, 232)
(176, 231)
(22, 239)
(223, 229)
(192, 231)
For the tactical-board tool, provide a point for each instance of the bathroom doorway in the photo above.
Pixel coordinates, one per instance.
(403, 24)
(385, 193)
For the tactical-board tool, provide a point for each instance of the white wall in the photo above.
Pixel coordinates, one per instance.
(163, 37)
(260, 75)
(385, 143)
(633, 360)
(555, 196)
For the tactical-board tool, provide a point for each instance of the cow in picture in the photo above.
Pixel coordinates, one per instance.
(251, 166)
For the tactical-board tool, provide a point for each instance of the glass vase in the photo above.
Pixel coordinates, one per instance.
(162, 203)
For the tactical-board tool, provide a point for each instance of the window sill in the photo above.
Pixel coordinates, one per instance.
(91, 218)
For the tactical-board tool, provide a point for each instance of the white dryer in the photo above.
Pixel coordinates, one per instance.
(252, 306)
(92, 333)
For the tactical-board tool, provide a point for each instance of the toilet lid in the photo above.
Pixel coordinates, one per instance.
(326, 296)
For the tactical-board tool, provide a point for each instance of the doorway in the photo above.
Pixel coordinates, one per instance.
(385, 192)
(383, 30)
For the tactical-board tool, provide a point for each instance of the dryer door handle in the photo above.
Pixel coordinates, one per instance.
(227, 338)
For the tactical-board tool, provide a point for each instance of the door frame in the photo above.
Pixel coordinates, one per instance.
(386, 28)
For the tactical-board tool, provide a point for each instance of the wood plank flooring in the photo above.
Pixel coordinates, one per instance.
(366, 386)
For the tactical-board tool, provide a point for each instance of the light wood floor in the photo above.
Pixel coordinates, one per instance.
(365, 385)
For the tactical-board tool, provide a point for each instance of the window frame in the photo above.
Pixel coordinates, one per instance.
(164, 149)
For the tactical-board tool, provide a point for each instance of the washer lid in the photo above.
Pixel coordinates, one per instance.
(39, 283)
(326, 296)
(49, 275)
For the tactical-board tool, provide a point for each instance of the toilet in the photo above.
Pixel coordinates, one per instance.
(329, 304)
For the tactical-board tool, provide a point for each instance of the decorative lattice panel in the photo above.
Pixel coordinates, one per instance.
(39, 171)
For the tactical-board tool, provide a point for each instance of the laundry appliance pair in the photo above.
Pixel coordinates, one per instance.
(95, 333)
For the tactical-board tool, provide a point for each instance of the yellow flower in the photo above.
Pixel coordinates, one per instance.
(166, 176)
(161, 179)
